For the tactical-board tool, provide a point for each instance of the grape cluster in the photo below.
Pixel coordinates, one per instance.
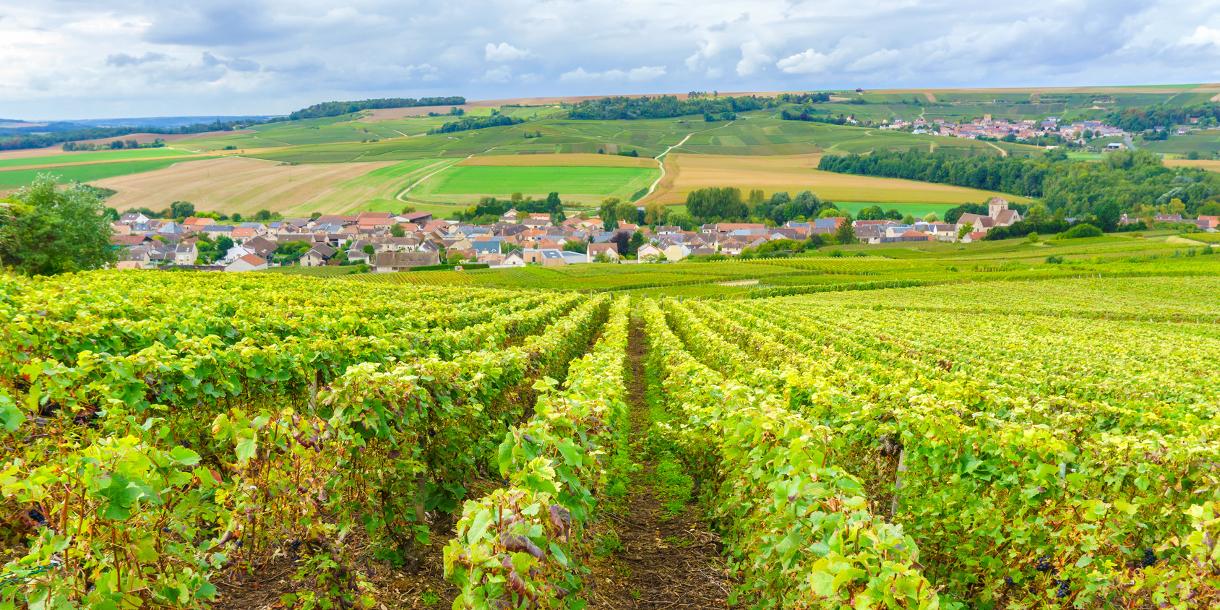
(1064, 590)
(1044, 564)
(1149, 558)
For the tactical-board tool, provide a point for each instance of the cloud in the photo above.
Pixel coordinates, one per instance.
(501, 74)
(123, 59)
(640, 74)
(808, 61)
(423, 72)
(235, 64)
(72, 59)
(1204, 36)
(504, 52)
(752, 59)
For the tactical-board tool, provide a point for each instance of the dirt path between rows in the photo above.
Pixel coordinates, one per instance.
(663, 562)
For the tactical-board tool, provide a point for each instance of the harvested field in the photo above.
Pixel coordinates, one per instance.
(1207, 164)
(237, 184)
(560, 160)
(795, 173)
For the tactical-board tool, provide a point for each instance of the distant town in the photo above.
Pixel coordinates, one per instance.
(387, 242)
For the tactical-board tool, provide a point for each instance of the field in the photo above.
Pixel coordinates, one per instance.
(247, 185)
(584, 151)
(91, 173)
(72, 158)
(465, 183)
(795, 173)
(1211, 165)
(939, 425)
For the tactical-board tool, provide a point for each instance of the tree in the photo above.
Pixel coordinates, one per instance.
(655, 213)
(930, 217)
(368, 249)
(845, 234)
(396, 230)
(553, 202)
(181, 209)
(627, 212)
(576, 246)
(263, 215)
(223, 244)
(608, 211)
(637, 241)
(45, 230)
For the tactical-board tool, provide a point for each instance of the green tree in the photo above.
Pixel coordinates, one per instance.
(396, 230)
(46, 230)
(635, 243)
(181, 209)
(845, 234)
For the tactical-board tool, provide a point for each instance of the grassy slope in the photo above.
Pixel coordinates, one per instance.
(100, 156)
(84, 173)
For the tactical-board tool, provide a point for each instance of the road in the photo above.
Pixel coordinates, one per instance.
(660, 159)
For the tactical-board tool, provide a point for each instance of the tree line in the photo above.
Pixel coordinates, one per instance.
(1134, 181)
(329, 109)
(665, 106)
(477, 122)
(66, 133)
(1162, 117)
(490, 209)
(113, 145)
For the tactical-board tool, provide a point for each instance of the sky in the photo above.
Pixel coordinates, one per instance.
(66, 59)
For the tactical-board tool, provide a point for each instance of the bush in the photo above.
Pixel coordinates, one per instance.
(1083, 229)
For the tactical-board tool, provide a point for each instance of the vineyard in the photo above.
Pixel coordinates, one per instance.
(196, 440)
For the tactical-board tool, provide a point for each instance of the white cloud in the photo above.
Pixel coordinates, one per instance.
(1204, 36)
(501, 74)
(504, 52)
(68, 59)
(640, 74)
(424, 72)
(753, 59)
(808, 61)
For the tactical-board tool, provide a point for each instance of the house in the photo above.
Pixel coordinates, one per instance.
(1170, 218)
(318, 255)
(608, 251)
(249, 262)
(573, 258)
(510, 217)
(134, 218)
(546, 258)
(186, 253)
(260, 246)
(514, 259)
(998, 215)
(419, 218)
(1208, 223)
(399, 261)
(649, 252)
(676, 252)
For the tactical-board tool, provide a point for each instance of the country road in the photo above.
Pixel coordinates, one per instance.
(660, 159)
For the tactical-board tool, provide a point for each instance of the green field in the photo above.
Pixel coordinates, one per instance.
(85, 173)
(92, 157)
(578, 184)
(918, 210)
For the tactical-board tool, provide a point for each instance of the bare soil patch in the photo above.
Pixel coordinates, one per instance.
(664, 561)
(234, 184)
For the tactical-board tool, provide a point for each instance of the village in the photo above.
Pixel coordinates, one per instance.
(387, 242)
(988, 128)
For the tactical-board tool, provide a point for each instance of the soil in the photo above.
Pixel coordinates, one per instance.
(664, 562)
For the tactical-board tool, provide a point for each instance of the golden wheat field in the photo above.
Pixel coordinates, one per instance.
(795, 173)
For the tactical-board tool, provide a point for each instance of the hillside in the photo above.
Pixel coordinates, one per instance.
(578, 158)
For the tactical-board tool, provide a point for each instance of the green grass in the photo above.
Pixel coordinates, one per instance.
(93, 157)
(84, 173)
(468, 183)
(918, 210)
